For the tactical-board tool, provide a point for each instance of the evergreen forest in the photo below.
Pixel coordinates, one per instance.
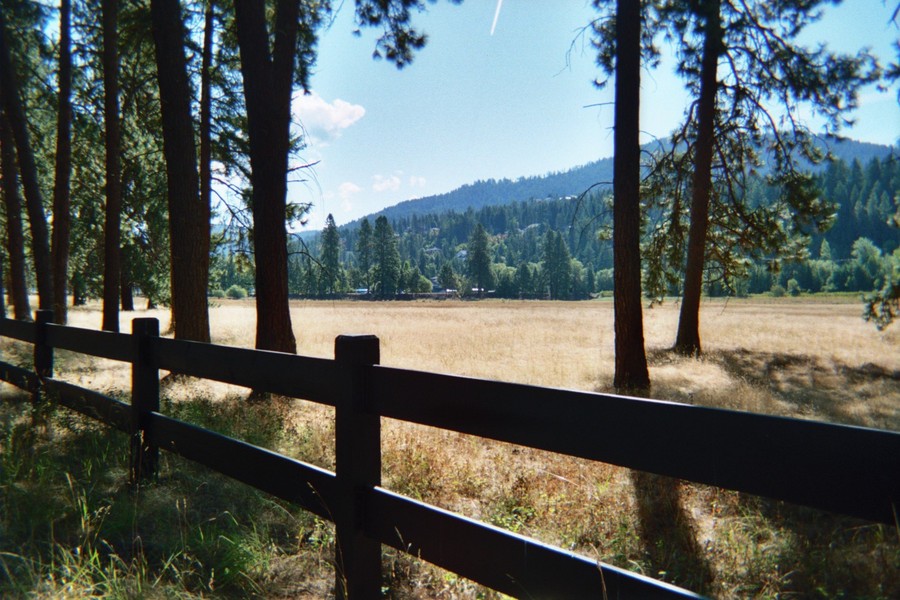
(560, 247)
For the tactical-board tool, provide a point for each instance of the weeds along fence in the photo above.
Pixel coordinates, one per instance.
(847, 470)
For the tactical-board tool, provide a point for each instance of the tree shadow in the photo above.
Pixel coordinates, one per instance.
(786, 384)
(818, 550)
(785, 548)
(811, 387)
(668, 534)
(795, 550)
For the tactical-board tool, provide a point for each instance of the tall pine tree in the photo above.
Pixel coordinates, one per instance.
(364, 254)
(620, 54)
(478, 260)
(751, 77)
(13, 106)
(330, 257)
(385, 259)
(112, 265)
(189, 212)
(59, 248)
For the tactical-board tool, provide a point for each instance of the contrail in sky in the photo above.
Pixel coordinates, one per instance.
(496, 16)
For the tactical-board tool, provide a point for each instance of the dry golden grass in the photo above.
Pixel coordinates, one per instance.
(806, 359)
(759, 354)
(809, 359)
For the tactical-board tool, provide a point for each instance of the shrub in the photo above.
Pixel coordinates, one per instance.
(236, 292)
(217, 293)
(422, 285)
(777, 291)
(793, 287)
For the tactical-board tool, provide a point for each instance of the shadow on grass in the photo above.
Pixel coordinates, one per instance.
(816, 552)
(793, 385)
(794, 551)
(830, 391)
(667, 534)
(763, 547)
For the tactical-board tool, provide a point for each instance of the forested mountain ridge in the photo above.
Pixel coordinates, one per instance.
(855, 254)
(573, 182)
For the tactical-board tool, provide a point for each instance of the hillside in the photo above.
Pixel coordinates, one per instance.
(575, 181)
(493, 192)
(854, 255)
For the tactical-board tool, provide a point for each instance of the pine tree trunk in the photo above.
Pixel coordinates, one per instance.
(188, 214)
(687, 340)
(59, 249)
(268, 83)
(15, 111)
(126, 282)
(112, 265)
(79, 291)
(15, 238)
(631, 373)
(127, 296)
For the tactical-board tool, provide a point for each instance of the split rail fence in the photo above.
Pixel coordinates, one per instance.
(848, 470)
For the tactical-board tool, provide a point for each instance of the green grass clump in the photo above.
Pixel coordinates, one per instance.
(236, 292)
(71, 526)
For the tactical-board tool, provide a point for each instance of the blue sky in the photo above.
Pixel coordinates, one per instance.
(516, 103)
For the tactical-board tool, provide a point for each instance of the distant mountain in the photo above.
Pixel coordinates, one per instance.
(573, 182)
(849, 150)
(494, 192)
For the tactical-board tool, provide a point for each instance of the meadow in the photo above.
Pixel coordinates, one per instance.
(199, 535)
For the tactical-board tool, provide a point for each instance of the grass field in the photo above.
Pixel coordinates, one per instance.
(809, 358)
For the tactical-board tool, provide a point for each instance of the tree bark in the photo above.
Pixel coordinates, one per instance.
(631, 373)
(59, 248)
(127, 295)
(268, 83)
(15, 238)
(112, 266)
(188, 214)
(15, 111)
(687, 340)
(79, 291)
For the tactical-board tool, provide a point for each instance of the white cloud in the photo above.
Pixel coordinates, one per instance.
(324, 121)
(391, 183)
(347, 190)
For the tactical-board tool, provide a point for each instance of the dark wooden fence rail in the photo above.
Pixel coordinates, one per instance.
(848, 470)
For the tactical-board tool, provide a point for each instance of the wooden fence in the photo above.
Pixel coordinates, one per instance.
(848, 470)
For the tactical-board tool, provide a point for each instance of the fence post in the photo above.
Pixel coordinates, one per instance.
(144, 399)
(2, 287)
(43, 354)
(43, 366)
(358, 467)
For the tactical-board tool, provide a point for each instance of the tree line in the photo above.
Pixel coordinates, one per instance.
(574, 181)
(560, 248)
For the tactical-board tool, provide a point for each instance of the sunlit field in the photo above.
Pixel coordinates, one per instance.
(808, 358)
